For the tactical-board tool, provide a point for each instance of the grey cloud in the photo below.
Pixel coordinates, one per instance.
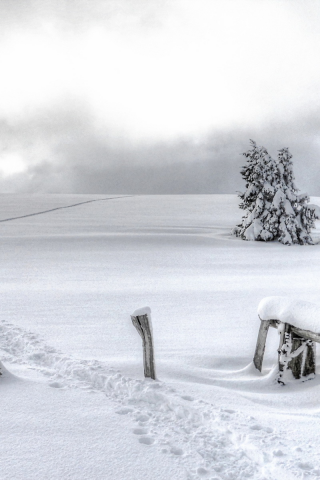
(66, 153)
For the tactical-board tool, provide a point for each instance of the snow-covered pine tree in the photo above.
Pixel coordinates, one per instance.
(274, 209)
(296, 215)
(306, 213)
(285, 200)
(261, 175)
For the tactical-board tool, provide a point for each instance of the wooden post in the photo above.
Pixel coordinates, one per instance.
(141, 322)
(261, 344)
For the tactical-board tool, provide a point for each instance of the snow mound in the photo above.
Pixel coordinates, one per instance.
(298, 313)
(142, 311)
(5, 374)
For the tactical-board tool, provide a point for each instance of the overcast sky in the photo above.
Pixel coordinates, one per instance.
(155, 96)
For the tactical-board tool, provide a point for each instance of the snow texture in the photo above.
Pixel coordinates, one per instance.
(204, 438)
(301, 314)
(142, 311)
(74, 403)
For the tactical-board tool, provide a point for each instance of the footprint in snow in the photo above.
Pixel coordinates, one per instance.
(124, 411)
(305, 466)
(278, 453)
(56, 385)
(202, 471)
(176, 450)
(146, 440)
(256, 427)
(268, 430)
(188, 398)
(140, 431)
(142, 418)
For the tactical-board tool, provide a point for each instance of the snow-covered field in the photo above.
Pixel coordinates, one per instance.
(74, 404)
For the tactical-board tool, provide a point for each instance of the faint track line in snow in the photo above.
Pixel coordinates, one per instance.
(207, 441)
(67, 206)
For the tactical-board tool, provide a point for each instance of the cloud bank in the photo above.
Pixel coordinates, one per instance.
(155, 97)
(75, 157)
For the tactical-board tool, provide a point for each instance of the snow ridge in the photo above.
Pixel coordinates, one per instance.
(209, 442)
(61, 208)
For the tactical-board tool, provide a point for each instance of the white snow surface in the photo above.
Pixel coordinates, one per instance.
(142, 311)
(74, 403)
(298, 313)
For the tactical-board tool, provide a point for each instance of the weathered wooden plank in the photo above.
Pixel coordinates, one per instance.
(141, 322)
(285, 347)
(302, 355)
(315, 337)
(137, 324)
(299, 331)
(261, 344)
(309, 366)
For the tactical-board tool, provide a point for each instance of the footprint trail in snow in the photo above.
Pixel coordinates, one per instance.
(209, 442)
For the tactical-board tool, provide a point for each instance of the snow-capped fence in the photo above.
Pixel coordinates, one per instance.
(298, 324)
(141, 319)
